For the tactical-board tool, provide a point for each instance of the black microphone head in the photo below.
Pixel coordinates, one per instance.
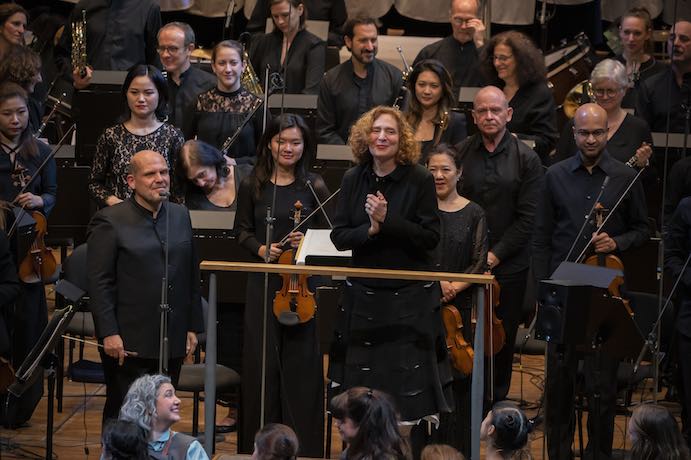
(605, 182)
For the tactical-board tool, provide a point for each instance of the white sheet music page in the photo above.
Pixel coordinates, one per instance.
(317, 242)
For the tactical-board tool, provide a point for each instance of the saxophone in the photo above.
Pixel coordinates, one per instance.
(249, 77)
(406, 74)
(79, 45)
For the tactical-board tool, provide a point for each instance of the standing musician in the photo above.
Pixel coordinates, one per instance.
(462, 249)
(355, 86)
(429, 110)
(185, 81)
(294, 375)
(220, 111)
(502, 175)
(145, 95)
(290, 49)
(126, 263)
(387, 338)
(569, 190)
(13, 19)
(512, 62)
(459, 52)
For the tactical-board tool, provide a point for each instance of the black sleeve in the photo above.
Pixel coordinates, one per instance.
(457, 130)
(566, 147)
(344, 234)
(49, 182)
(542, 119)
(478, 262)
(643, 103)
(257, 21)
(102, 265)
(195, 320)
(327, 131)
(153, 25)
(544, 227)
(677, 243)
(244, 218)
(315, 61)
(637, 220)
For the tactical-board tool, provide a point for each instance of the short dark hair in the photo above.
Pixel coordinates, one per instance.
(156, 77)
(349, 27)
(511, 427)
(275, 441)
(183, 26)
(123, 439)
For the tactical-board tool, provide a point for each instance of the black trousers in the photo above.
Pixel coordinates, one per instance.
(560, 391)
(119, 379)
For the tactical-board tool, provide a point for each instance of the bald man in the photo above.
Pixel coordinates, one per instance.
(503, 175)
(570, 188)
(459, 51)
(125, 269)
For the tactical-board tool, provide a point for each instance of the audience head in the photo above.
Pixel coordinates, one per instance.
(440, 452)
(444, 162)
(512, 57)
(275, 441)
(22, 66)
(141, 402)
(175, 45)
(636, 31)
(430, 85)
(288, 16)
(124, 440)
(590, 130)
(382, 134)
(360, 36)
(145, 93)
(13, 20)
(202, 164)
(367, 421)
(655, 434)
(491, 112)
(227, 64)
(460, 12)
(609, 83)
(505, 429)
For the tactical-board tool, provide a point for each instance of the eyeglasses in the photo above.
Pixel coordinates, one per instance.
(500, 58)
(609, 92)
(584, 133)
(461, 21)
(170, 49)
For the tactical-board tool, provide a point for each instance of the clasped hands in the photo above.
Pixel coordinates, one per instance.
(375, 207)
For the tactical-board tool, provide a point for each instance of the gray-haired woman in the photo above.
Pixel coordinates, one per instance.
(151, 403)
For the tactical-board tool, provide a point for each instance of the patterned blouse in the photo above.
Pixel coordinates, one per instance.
(114, 150)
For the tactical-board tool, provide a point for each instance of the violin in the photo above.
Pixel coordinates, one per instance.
(461, 352)
(495, 336)
(608, 260)
(294, 303)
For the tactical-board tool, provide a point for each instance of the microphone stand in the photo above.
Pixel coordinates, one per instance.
(164, 306)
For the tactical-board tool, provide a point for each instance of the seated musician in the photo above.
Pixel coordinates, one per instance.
(429, 109)
(23, 66)
(512, 62)
(291, 50)
(462, 249)
(13, 19)
(569, 190)
(294, 376)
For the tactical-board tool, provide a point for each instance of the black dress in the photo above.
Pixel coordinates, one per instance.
(535, 117)
(646, 70)
(294, 372)
(196, 199)
(218, 114)
(387, 336)
(304, 62)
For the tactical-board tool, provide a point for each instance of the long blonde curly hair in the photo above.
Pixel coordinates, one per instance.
(408, 148)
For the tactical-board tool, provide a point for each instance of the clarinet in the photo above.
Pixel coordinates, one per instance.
(404, 88)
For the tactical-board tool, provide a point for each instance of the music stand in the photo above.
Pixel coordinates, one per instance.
(41, 357)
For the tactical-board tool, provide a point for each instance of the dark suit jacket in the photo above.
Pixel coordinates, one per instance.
(126, 266)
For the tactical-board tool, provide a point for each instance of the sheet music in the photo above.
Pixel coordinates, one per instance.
(317, 242)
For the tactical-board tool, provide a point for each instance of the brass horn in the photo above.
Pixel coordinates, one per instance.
(79, 44)
(249, 77)
(577, 96)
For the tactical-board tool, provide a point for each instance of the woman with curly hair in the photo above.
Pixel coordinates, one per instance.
(22, 66)
(367, 421)
(275, 441)
(387, 215)
(505, 432)
(429, 111)
(655, 435)
(512, 62)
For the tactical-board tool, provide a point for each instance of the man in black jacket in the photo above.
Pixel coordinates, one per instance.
(126, 262)
(355, 86)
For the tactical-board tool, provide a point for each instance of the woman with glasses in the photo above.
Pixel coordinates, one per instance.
(628, 136)
(290, 49)
(512, 62)
(429, 111)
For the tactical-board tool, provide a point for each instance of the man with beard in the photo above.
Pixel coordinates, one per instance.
(355, 86)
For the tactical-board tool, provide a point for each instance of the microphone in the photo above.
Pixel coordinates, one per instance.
(641, 355)
(587, 218)
(321, 206)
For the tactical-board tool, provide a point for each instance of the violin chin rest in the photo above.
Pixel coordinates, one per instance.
(288, 318)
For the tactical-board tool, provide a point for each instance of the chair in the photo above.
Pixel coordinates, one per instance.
(82, 327)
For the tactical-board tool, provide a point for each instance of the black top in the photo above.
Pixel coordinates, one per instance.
(216, 117)
(632, 132)
(678, 185)
(658, 96)
(339, 95)
(250, 217)
(9, 283)
(505, 183)
(196, 199)
(452, 135)
(181, 98)
(535, 117)
(677, 247)
(568, 195)
(463, 244)
(125, 266)
(305, 59)
(119, 34)
(646, 70)
(333, 11)
(410, 231)
(45, 185)
(460, 59)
